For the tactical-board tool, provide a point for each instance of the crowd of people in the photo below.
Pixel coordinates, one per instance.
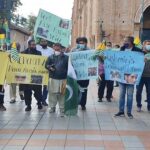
(57, 66)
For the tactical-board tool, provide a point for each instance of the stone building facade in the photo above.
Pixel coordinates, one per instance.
(111, 20)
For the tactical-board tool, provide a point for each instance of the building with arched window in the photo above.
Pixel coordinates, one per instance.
(110, 20)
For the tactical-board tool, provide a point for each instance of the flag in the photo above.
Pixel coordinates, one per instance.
(2, 36)
(71, 94)
(7, 32)
(137, 42)
(14, 53)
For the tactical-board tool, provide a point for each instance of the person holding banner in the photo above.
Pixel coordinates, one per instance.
(145, 80)
(128, 46)
(31, 50)
(57, 65)
(83, 84)
(46, 51)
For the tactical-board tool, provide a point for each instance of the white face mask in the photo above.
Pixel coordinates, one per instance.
(147, 47)
(57, 53)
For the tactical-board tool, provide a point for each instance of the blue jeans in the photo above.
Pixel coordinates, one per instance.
(123, 89)
(144, 81)
(44, 93)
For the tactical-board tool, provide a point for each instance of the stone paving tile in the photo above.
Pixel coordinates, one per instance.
(94, 129)
(13, 148)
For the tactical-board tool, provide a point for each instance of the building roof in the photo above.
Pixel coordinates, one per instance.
(19, 29)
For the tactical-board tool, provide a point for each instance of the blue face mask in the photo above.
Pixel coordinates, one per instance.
(81, 46)
(126, 45)
(147, 47)
(78, 46)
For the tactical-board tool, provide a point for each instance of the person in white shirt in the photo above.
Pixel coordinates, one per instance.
(46, 51)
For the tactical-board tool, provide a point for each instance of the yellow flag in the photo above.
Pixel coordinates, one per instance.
(101, 46)
(137, 41)
(14, 45)
(2, 36)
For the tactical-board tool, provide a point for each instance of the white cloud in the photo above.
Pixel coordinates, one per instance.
(62, 8)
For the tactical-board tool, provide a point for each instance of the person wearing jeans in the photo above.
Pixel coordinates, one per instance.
(127, 87)
(145, 80)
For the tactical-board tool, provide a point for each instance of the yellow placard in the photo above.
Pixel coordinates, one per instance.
(4, 59)
(29, 70)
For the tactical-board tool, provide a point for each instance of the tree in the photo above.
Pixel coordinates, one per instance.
(31, 22)
(8, 8)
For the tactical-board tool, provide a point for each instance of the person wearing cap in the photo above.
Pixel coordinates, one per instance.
(57, 65)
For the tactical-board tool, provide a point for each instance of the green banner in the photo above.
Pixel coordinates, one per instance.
(52, 28)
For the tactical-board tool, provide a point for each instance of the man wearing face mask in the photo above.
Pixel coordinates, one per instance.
(57, 65)
(145, 80)
(128, 46)
(83, 84)
(29, 88)
(46, 51)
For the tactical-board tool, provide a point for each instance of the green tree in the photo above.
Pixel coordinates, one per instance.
(31, 22)
(8, 8)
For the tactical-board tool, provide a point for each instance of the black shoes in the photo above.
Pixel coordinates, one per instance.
(108, 100)
(83, 107)
(22, 97)
(100, 100)
(130, 115)
(119, 114)
(40, 106)
(12, 101)
(2, 107)
(28, 108)
(44, 104)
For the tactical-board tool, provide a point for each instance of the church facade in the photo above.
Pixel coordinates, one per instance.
(110, 20)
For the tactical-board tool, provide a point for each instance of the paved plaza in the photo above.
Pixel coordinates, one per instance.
(94, 129)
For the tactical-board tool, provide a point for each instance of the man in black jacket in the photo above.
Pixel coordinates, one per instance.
(29, 88)
(128, 46)
(57, 65)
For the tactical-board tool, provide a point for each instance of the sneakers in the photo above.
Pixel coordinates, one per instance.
(2, 108)
(119, 114)
(52, 110)
(139, 109)
(44, 104)
(12, 101)
(28, 108)
(130, 115)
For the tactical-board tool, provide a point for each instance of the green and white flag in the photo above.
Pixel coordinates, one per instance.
(14, 53)
(71, 94)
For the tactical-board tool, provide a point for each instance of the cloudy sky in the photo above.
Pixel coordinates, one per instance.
(62, 8)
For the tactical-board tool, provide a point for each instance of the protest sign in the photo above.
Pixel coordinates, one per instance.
(84, 64)
(29, 70)
(3, 66)
(124, 66)
(52, 28)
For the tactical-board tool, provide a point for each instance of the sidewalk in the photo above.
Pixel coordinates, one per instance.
(94, 129)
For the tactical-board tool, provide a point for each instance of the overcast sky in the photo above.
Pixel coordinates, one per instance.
(62, 8)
